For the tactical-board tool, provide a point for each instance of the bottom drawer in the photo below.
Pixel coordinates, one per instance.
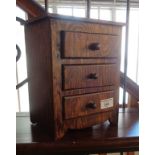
(82, 105)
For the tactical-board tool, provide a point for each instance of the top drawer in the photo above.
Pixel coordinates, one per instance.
(85, 45)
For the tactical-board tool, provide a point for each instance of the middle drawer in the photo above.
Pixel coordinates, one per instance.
(87, 76)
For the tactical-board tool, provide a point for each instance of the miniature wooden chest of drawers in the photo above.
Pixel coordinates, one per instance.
(73, 72)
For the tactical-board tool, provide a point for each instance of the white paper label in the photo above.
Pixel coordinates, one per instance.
(107, 103)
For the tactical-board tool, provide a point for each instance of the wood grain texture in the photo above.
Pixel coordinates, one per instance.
(133, 91)
(31, 7)
(39, 74)
(48, 72)
(76, 19)
(87, 76)
(131, 86)
(90, 120)
(101, 138)
(76, 45)
(132, 102)
(76, 106)
(33, 12)
(130, 153)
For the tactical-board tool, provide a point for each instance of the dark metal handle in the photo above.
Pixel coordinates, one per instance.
(91, 105)
(92, 76)
(94, 46)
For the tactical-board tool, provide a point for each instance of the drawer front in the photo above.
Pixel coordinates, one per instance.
(85, 45)
(83, 105)
(87, 76)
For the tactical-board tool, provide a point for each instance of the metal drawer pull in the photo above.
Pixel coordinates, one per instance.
(92, 76)
(94, 46)
(91, 105)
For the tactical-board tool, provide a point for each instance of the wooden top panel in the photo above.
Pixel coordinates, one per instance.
(70, 18)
